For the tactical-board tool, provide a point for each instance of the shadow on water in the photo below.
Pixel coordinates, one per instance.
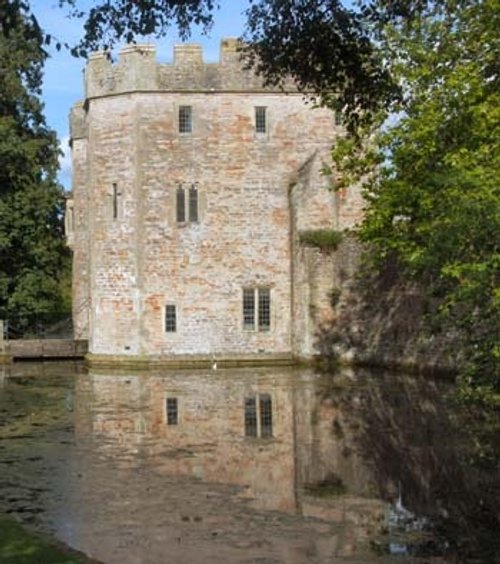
(249, 465)
(437, 462)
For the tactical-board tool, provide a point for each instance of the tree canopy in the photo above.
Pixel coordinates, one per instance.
(32, 252)
(433, 193)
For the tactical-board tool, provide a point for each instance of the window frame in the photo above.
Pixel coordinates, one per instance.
(171, 411)
(170, 322)
(256, 308)
(185, 120)
(193, 203)
(261, 121)
(187, 203)
(258, 416)
(180, 204)
(264, 309)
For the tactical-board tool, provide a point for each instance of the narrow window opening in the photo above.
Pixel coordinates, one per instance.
(116, 201)
(170, 318)
(249, 308)
(172, 412)
(266, 416)
(264, 309)
(260, 119)
(185, 119)
(193, 203)
(250, 417)
(181, 205)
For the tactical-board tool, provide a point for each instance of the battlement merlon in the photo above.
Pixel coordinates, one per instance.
(138, 70)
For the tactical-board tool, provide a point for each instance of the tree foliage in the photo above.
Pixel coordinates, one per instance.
(124, 20)
(434, 203)
(324, 45)
(32, 252)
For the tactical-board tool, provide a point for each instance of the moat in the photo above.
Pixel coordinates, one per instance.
(262, 465)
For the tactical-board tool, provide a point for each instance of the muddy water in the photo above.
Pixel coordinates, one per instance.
(248, 465)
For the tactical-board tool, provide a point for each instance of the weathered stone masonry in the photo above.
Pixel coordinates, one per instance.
(253, 193)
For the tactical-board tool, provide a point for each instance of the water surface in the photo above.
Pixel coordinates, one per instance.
(247, 465)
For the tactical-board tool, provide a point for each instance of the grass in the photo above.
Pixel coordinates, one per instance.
(19, 546)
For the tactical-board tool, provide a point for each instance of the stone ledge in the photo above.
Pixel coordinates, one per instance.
(188, 361)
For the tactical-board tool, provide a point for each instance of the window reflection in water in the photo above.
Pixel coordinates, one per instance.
(261, 423)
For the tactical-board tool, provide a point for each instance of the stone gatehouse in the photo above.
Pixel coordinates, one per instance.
(191, 184)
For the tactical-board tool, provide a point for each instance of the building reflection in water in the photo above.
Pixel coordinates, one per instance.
(279, 464)
(268, 465)
(266, 433)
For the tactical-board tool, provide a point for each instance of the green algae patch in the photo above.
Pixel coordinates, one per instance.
(19, 546)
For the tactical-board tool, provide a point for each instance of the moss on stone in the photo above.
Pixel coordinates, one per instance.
(324, 239)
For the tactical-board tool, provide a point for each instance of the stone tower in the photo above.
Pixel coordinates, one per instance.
(191, 182)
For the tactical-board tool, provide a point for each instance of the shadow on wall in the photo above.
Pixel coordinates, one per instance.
(380, 320)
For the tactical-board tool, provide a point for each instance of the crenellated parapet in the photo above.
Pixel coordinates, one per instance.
(138, 70)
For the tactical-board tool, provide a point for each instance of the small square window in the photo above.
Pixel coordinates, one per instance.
(170, 318)
(260, 120)
(185, 119)
(172, 413)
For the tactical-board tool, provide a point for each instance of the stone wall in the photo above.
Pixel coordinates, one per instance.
(255, 191)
